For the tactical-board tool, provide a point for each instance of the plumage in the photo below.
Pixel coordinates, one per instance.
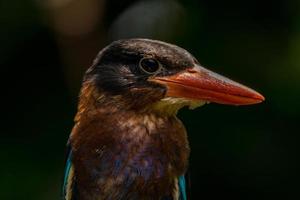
(127, 142)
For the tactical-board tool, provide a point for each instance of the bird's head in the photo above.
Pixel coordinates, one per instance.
(143, 75)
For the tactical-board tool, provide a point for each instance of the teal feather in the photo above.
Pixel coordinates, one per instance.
(182, 188)
(67, 172)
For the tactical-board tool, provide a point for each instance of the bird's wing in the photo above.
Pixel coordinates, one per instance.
(69, 185)
(184, 187)
(181, 192)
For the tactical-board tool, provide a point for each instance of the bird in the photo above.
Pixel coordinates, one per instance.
(127, 143)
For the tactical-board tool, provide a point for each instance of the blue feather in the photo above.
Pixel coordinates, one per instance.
(182, 187)
(67, 172)
(69, 184)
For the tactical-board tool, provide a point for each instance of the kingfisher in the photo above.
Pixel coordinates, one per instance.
(127, 143)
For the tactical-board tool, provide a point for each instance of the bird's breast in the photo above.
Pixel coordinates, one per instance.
(130, 155)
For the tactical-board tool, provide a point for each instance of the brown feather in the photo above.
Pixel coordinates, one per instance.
(107, 133)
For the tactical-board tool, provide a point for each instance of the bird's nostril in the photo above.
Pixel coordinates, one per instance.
(192, 70)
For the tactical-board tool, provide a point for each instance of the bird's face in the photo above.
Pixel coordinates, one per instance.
(149, 74)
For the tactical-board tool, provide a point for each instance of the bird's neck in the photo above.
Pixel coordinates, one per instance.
(97, 110)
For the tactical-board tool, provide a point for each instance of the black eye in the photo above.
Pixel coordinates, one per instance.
(149, 65)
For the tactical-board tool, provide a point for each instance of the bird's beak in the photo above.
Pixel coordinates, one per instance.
(198, 83)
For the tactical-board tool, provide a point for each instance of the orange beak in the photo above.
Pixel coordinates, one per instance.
(198, 83)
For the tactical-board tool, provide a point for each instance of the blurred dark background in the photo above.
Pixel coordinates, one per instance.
(249, 152)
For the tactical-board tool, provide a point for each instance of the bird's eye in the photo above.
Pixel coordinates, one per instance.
(149, 65)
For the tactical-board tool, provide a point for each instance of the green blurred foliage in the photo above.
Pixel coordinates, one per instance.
(237, 152)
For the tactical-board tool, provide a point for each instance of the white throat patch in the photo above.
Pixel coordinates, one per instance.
(171, 105)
